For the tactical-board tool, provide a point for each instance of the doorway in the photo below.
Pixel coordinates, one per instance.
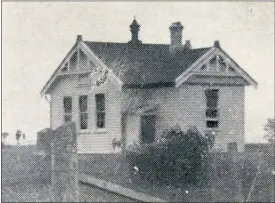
(148, 128)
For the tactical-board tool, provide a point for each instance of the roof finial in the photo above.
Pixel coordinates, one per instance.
(134, 27)
(217, 44)
(79, 38)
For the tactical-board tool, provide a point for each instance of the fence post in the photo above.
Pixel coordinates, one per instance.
(235, 172)
(64, 165)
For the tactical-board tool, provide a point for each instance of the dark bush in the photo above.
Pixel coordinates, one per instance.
(44, 138)
(176, 158)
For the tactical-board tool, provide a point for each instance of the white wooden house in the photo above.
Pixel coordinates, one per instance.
(134, 91)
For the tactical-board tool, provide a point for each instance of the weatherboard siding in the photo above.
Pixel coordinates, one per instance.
(232, 116)
(185, 106)
(90, 140)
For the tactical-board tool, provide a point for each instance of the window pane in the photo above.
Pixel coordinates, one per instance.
(84, 120)
(83, 101)
(67, 118)
(211, 113)
(212, 98)
(212, 102)
(67, 103)
(212, 124)
(100, 102)
(100, 120)
(211, 93)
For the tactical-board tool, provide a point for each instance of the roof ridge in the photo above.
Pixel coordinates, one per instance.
(123, 43)
(126, 43)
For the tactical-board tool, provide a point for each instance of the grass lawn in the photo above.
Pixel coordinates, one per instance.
(114, 168)
(24, 179)
(21, 179)
(26, 192)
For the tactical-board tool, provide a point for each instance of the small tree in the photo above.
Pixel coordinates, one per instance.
(270, 130)
(18, 135)
(4, 137)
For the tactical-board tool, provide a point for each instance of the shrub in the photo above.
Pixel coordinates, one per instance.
(177, 157)
(44, 138)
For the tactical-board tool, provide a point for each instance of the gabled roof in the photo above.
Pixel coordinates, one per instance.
(145, 65)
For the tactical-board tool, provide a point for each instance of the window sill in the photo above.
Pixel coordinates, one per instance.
(101, 130)
(86, 131)
(212, 129)
(212, 118)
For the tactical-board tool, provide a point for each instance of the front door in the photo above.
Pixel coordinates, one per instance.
(148, 129)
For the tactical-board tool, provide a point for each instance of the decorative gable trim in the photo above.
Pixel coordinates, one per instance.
(54, 75)
(196, 65)
(90, 55)
(99, 63)
(214, 52)
(239, 70)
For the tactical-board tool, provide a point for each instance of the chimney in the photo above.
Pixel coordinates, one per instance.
(176, 34)
(187, 44)
(79, 38)
(134, 28)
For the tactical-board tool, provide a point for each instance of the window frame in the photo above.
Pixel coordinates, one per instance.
(215, 124)
(213, 116)
(81, 113)
(97, 128)
(70, 113)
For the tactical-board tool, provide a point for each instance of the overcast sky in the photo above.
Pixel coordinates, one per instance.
(37, 36)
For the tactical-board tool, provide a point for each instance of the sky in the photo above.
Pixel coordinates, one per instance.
(36, 37)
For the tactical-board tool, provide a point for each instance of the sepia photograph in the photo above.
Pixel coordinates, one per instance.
(137, 101)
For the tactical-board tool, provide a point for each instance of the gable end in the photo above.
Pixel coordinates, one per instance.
(215, 63)
(71, 65)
